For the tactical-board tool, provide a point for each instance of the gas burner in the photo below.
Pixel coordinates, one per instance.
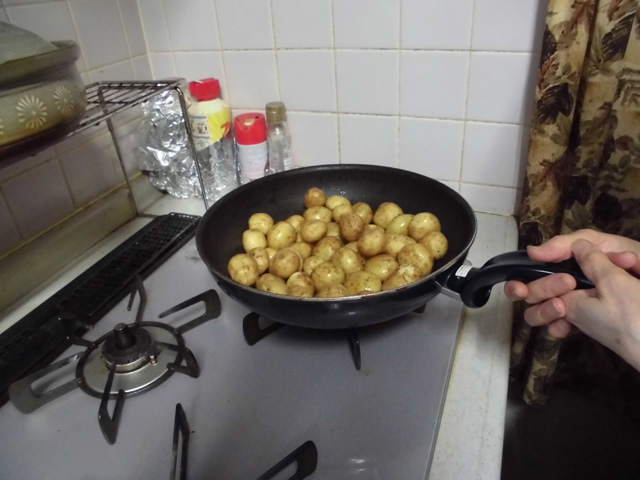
(127, 361)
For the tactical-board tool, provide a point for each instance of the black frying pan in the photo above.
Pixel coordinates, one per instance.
(219, 237)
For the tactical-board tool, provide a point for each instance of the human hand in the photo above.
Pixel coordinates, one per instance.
(544, 294)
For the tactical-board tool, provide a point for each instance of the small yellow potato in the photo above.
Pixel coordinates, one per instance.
(260, 221)
(310, 263)
(313, 230)
(253, 238)
(327, 274)
(400, 224)
(271, 251)
(334, 200)
(353, 246)
(314, 198)
(303, 280)
(436, 243)
(351, 226)
(334, 291)
(394, 242)
(281, 235)
(333, 229)
(261, 256)
(272, 284)
(404, 275)
(386, 212)
(318, 213)
(362, 282)
(348, 260)
(298, 291)
(243, 268)
(296, 221)
(416, 254)
(423, 223)
(340, 210)
(267, 278)
(326, 247)
(303, 248)
(382, 266)
(371, 242)
(286, 262)
(363, 210)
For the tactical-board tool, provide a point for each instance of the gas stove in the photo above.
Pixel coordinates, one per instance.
(245, 398)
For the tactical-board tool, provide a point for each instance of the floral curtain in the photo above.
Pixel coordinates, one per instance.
(584, 159)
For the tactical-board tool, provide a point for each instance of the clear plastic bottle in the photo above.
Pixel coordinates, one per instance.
(279, 138)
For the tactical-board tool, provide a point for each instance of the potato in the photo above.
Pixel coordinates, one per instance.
(298, 291)
(353, 246)
(260, 221)
(394, 242)
(326, 247)
(404, 275)
(423, 223)
(318, 213)
(362, 282)
(386, 212)
(333, 291)
(253, 239)
(313, 230)
(286, 262)
(436, 243)
(243, 268)
(296, 221)
(340, 210)
(333, 229)
(272, 284)
(400, 224)
(267, 278)
(418, 255)
(363, 210)
(303, 280)
(271, 251)
(327, 274)
(303, 248)
(310, 263)
(382, 266)
(351, 227)
(348, 260)
(299, 237)
(371, 242)
(261, 255)
(314, 198)
(334, 200)
(281, 235)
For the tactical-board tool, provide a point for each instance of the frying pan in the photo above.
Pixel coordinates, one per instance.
(281, 195)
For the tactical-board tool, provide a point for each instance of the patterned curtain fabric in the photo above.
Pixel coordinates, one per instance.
(584, 159)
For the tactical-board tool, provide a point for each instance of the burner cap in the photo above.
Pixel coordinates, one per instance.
(129, 347)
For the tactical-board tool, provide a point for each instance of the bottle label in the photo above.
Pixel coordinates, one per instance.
(209, 129)
(253, 160)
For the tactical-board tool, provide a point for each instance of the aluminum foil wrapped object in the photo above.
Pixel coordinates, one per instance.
(167, 157)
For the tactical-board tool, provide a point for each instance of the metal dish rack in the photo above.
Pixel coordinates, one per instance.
(106, 99)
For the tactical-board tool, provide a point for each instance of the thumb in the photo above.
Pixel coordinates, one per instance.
(594, 262)
(555, 250)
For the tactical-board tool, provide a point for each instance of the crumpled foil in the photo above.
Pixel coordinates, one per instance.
(166, 155)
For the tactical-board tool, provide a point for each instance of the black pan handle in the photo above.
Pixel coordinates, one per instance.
(474, 284)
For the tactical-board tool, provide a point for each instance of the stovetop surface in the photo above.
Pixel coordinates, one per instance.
(251, 406)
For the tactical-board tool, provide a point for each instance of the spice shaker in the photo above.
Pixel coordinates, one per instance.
(251, 140)
(279, 138)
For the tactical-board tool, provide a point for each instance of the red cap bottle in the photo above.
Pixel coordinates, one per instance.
(251, 128)
(205, 90)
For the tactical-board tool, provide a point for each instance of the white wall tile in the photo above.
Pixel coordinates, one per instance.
(433, 84)
(38, 198)
(314, 138)
(508, 25)
(444, 25)
(89, 169)
(431, 147)
(9, 236)
(101, 32)
(3, 15)
(501, 87)
(368, 140)
(252, 79)
(489, 199)
(198, 65)
(192, 24)
(495, 154)
(115, 72)
(452, 185)
(244, 24)
(155, 25)
(129, 142)
(11, 170)
(142, 68)
(367, 81)
(302, 23)
(133, 27)
(22, 2)
(307, 80)
(366, 24)
(162, 65)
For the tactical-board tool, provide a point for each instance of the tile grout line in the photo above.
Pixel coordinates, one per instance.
(126, 37)
(466, 100)
(75, 28)
(335, 79)
(224, 65)
(12, 218)
(166, 24)
(146, 40)
(275, 48)
(399, 71)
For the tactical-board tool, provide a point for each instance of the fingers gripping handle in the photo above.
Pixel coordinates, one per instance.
(474, 284)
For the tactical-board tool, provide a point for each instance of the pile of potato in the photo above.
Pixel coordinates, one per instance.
(334, 250)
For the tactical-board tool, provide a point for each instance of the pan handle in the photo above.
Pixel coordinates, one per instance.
(473, 285)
